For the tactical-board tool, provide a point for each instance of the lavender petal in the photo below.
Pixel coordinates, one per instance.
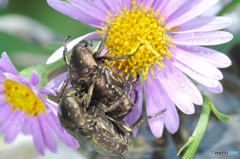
(202, 38)
(201, 24)
(34, 79)
(75, 12)
(45, 90)
(189, 10)
(37, 135)
(196, 63)
(48, 135)
(56, 81)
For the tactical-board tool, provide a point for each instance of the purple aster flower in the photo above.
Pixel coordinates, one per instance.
(172, 33)
(24, 108)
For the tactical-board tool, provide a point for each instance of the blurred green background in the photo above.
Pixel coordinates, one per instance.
(39, 16)
(30, 31)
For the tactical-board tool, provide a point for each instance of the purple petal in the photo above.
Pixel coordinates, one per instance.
(24, 80)
(195, 75)
(124, 2)
(45, 90)
(75, 12)
(202, 38)
(34, 79)
(61, 133)
(2, 76)
(3, 66)
(196, 63)
(12, 77)
(9, 119)
(59, 53)
(213, 57)
(54, 123)
(5, 112)
(60, 86)
(27, 126)
(9, 64)
(170, 116)
(49, 105)
(186, 86)
(159, 5)
(189, 10)
(170, 82)
(154, 105)
(217, 89)
(201, 24)
(90, 8)
(113, 5)
(48, 135)
(37, 135)
(162, 101)
(35, 90)
(15, 127)
(101, 4)
(168, 8)
(69, 140)
(3, 102)
(136, 112)
(148, 2)
(56, 81)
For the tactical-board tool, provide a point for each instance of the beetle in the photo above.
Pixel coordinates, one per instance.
(85, 64)
(86, 121)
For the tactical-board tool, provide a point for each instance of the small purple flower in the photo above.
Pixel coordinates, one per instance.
(172, 33)
(24, 108)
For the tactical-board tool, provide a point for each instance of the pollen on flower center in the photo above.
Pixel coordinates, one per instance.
(21, 97)
(129, 29)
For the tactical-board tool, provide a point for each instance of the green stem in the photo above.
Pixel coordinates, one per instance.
(43, 71)
(199, 131)
(229, 7)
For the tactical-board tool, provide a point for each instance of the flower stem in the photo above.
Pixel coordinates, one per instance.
(199, 131)
(194, 141)
(43, 71)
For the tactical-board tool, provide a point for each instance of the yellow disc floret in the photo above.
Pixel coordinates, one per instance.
(21, 97)
(130, 28)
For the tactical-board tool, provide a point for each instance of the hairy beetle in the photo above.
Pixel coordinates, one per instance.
(85, 120)
(85, 64)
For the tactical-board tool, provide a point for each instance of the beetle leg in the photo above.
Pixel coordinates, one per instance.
(142, 119)
(63, 88)
(114, 105)
(100, 47)
(65, 52)
(136, 97)
(111, 58)
(135, 82)
(100, 105)
(121, 124)
(128, 128)
(87, 97)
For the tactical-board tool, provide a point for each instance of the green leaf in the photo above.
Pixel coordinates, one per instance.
(195, 139)
(185, 145)
(229, 7)
(220, 116)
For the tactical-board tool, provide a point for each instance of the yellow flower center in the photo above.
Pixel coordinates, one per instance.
(21, 97)
(129, 29)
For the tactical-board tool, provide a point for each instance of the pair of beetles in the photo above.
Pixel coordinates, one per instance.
(92, 109)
